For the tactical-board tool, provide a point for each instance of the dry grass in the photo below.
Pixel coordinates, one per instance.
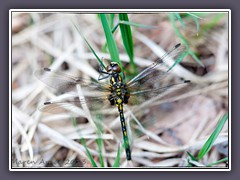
(171, 126)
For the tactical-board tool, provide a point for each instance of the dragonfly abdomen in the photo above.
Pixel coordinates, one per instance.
(120, 96)
(124, 131)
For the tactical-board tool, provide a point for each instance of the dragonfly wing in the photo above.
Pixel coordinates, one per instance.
(155, 76)
(152, 81)
(64, 82)
(163, 92)
(52, 107)
(74, 104)
(151, 71)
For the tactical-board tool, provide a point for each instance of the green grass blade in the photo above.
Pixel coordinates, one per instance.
(178, 33)
(83, 142)
(137, 24)
(183, 39)
(191, 156)
(197, 23)
(199, 15)
(115, 27)
(180, 58)
(111, 20)
(218, 162)
(100, 144)
(90, 47)
(132, 24)
(209, 143)
(104, 48)
(190, 52)
(213, 22)
(123, 22)
(111, 23)
(112, 47)
(127, 40)
(180, 19)
(99, 140)
(195, 18)
(117, 160)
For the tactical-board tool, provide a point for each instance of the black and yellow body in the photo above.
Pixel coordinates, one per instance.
(119, 95)
(148, 83)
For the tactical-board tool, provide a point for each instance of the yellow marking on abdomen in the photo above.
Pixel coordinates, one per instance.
(119, 101)
(121, 108)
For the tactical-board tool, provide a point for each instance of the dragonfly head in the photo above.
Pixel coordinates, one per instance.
(113, 67)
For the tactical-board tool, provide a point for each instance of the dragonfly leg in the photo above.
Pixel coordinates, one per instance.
(101, 71)
(126, 97)
(126, 94)
(100, 77)
(111, 99)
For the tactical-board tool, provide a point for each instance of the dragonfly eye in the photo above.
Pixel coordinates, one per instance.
(116, 68)
(109, 68)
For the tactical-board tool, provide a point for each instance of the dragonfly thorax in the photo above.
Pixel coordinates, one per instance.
(119, 92)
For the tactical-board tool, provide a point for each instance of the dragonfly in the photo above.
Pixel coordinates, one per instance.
(148, 83)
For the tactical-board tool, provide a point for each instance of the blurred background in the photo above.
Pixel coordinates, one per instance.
(162, 131)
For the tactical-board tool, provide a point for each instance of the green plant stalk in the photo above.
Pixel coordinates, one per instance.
(180, 20)
(178, 33)
(137, 25)
(218, 162)
(99, 141)
(111, 19)
(184, 40)
(111, 23)
(112, 47)
(90, 47)
(127, 40)
(125, 29)
(132, 24)
(117, 160)
(213, 22)
(83, 142)
(191, 156)
(180, 58)
(100, 144)
(197, 23)
(111, 44)
(209, 143)
(195, 17)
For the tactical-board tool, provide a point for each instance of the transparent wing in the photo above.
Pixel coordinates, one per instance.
(147, 84)
(166, 91)
(152, 81)
(95, 93)
(69, 107)
(153, 73)
(64, 82)
(74, 104)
